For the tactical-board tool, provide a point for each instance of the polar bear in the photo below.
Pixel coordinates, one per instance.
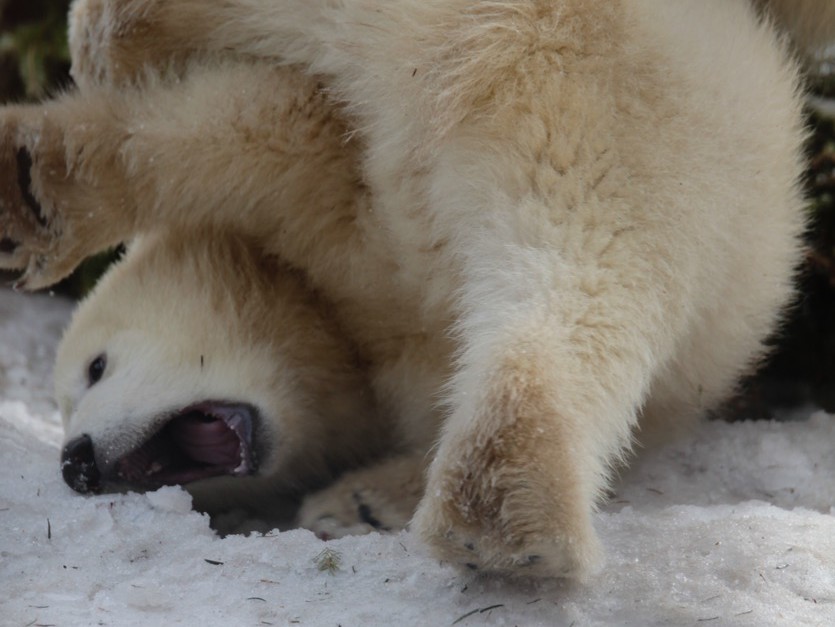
(525, 215)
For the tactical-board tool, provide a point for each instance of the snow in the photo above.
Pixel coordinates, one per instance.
(733, 525)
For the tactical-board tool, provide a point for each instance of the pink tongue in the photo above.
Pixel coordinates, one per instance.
(208, 442)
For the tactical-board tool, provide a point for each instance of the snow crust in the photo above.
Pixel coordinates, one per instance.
(733, 525)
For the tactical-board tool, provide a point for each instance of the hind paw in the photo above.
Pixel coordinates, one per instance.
(505, 504)
(521, 552)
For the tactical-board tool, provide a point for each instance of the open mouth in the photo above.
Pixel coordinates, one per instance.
(209, 439)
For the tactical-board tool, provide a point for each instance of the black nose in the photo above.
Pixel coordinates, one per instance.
(78, 465)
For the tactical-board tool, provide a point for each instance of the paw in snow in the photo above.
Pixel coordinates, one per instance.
(334, 515)
(379, 498)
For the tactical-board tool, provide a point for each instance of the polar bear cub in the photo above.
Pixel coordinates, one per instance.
(525, 215)
(198, 361)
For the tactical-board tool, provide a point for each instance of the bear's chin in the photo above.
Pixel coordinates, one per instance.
(205, 440)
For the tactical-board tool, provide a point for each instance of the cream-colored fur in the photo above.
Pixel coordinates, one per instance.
(537, 220)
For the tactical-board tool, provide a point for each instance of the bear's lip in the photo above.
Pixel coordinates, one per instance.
(201, 441)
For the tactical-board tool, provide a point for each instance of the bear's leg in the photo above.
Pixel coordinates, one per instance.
(381, 497)
(552, 376)
(246, 144)
(59, 179)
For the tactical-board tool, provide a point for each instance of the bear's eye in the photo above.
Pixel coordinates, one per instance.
(96, 369)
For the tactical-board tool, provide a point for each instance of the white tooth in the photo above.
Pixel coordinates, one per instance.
(234, 421)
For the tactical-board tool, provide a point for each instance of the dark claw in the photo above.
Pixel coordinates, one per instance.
(24, 182)
(8, 245)
(367, 517)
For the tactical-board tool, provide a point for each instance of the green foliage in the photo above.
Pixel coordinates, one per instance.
(328, 561)
(33, 47)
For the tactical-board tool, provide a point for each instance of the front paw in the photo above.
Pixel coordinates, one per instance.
(336, 513)
(381, 497)
(29, 229)
(46, 219)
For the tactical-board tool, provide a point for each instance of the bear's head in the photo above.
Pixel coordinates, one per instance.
(198, 361)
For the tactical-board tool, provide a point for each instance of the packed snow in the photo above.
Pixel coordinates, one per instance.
(734, 525)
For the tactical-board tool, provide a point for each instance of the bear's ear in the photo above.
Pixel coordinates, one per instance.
(96, 369)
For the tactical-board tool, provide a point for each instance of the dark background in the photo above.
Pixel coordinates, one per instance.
(34, 63)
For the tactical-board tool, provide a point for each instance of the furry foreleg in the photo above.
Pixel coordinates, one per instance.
(248, 145)
(63, 194)
(558, 357)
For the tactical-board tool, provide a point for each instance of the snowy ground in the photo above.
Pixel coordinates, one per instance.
(735, 526)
